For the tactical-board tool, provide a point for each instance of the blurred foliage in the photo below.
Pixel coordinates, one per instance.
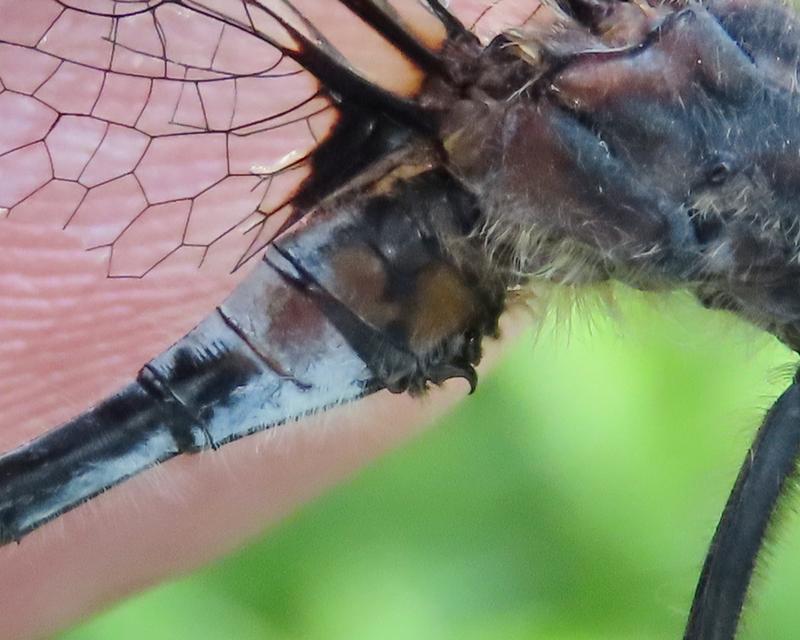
(572, 497)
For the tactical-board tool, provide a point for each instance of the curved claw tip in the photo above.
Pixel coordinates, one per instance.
(449, 371)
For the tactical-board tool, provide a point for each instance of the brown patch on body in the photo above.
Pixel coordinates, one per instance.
(361, 282)
(443, 306)
(438, 306)
(386, 184)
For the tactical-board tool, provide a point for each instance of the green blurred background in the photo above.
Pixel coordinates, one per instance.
(572, 497)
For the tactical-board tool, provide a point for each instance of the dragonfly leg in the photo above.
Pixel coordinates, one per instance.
(762, 480)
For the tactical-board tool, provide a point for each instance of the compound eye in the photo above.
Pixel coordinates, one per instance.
(719, 173)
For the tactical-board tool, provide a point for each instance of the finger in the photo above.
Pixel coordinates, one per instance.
(177, 516)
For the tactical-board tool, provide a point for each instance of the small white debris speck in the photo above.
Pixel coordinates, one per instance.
(277, 166)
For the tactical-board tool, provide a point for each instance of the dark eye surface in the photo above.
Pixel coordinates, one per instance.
(719, 173)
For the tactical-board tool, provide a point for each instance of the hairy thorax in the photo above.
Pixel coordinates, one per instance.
(646, 144)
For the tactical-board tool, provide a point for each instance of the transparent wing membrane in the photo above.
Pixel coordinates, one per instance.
(172, 119)
(167, 108)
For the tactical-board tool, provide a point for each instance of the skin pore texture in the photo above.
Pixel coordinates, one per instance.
(69, 336)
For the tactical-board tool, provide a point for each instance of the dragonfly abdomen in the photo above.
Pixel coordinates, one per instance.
(218, 383)
(379, 288)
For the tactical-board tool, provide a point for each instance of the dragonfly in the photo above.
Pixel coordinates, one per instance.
(388, 220)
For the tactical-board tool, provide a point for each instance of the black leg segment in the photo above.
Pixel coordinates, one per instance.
(763, 478)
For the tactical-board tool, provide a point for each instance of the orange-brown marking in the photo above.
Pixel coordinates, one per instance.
(361, 284)
(443, 306)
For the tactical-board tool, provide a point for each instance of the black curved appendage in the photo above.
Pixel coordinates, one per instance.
(762, 480)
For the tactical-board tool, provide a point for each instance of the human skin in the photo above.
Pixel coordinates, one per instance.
(192, 509)
(69, 336)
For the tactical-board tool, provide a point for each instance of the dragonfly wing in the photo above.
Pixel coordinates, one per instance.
(127, 163)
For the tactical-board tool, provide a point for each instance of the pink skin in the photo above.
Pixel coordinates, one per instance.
(69, 336)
